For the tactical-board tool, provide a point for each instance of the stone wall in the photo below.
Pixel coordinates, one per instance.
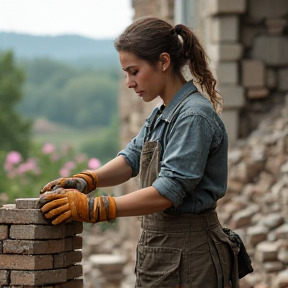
(247, 43)
(35, 253)
(256, 203)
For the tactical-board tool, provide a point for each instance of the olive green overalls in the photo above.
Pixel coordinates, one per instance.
(183, 250)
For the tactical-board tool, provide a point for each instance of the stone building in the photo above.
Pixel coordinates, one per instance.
(247, 43)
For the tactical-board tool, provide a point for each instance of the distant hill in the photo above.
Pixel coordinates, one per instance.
(68, 48)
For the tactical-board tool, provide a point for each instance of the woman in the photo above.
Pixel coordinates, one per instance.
(180, 156)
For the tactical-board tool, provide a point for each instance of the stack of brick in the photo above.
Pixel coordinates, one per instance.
(34, 253)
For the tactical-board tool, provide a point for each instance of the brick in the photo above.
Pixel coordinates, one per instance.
(226, 72)
(66, 259)
(21, 216)
(271, 49)
(4, 277)
(253, 73)
(233, 95)
(72, 243)
(25, 262)
(37, 231)
(75, 283)
(215, 7)
(33, 247)
(267, 9)
(225, 28)
(77, 242)
(231, 120)
(283, 76)
(38, 277)
(225, 51)
(27, 203)
(73, 228)
(257, 93)
(74, 271)
(4, 231)
(1, 247)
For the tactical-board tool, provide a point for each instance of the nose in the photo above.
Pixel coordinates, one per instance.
(130, 83)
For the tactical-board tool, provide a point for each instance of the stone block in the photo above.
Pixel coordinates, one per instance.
(4, 231)
(256, 234)
(230, 118)
(273, 266)
(67, 259)
(271, 49)
(225, 29)
(73, 228)
(30, 278)
(253, 73)
(267, 251)
(11, 215)
(226, 72)
(257, 93)
(27, 203)
(37, 232)
(75, 283)
(77, 242)
(270, 78)
(215, 7)
(4, 277)
(25, 262)
(283, 79)
(233, 96)
(243, 218)
(224, 51)
(32, 247)
(74, 271)
(261, 9)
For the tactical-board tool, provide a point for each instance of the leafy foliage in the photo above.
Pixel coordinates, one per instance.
(14, 129)
(80, 98)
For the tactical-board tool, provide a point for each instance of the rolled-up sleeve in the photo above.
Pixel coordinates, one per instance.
(132, 152)
(184, 157)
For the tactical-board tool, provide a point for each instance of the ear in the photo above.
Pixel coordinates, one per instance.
(164, 59)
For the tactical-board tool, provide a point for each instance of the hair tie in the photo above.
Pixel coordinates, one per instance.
(178, 29)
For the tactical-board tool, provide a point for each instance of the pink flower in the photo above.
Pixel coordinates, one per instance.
(94, 163)
(30, 165)
(12, 159)
(64, 172)
(48, 148)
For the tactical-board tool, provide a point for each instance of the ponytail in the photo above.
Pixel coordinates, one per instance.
(193, 51)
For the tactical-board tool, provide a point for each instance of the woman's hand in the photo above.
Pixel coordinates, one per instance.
(65, 205)
(84, 182)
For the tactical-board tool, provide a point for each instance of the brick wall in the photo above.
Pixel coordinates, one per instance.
(34, 253)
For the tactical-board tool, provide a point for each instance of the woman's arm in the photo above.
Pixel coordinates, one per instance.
(116, 171)
(141, 202)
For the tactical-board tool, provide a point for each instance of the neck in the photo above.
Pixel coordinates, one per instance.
(172, 88)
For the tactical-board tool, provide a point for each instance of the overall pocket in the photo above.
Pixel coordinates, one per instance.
(157, 266)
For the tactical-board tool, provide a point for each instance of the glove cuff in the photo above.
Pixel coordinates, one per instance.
(104, 209)
(90, 177)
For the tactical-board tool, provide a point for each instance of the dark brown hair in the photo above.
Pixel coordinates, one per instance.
(149, 37)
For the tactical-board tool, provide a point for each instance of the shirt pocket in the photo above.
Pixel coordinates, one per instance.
(157, 266)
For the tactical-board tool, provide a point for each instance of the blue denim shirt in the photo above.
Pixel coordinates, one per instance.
(193, 168)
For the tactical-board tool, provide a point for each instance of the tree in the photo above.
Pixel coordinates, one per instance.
(15, 131)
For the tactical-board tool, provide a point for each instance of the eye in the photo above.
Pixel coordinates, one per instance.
(134, 73)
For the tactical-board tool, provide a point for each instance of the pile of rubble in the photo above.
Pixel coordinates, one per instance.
(256, 204)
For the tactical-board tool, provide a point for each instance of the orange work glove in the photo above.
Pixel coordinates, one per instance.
(84, 182)
(65, 205)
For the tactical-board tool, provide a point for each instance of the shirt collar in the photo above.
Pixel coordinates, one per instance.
(181, 94)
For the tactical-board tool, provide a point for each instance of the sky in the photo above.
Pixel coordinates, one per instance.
(98, 19)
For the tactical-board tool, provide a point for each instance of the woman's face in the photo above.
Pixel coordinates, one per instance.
(141, 76)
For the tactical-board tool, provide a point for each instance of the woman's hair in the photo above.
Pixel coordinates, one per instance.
(149, 37)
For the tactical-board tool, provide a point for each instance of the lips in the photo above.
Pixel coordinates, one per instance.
(140, 93)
